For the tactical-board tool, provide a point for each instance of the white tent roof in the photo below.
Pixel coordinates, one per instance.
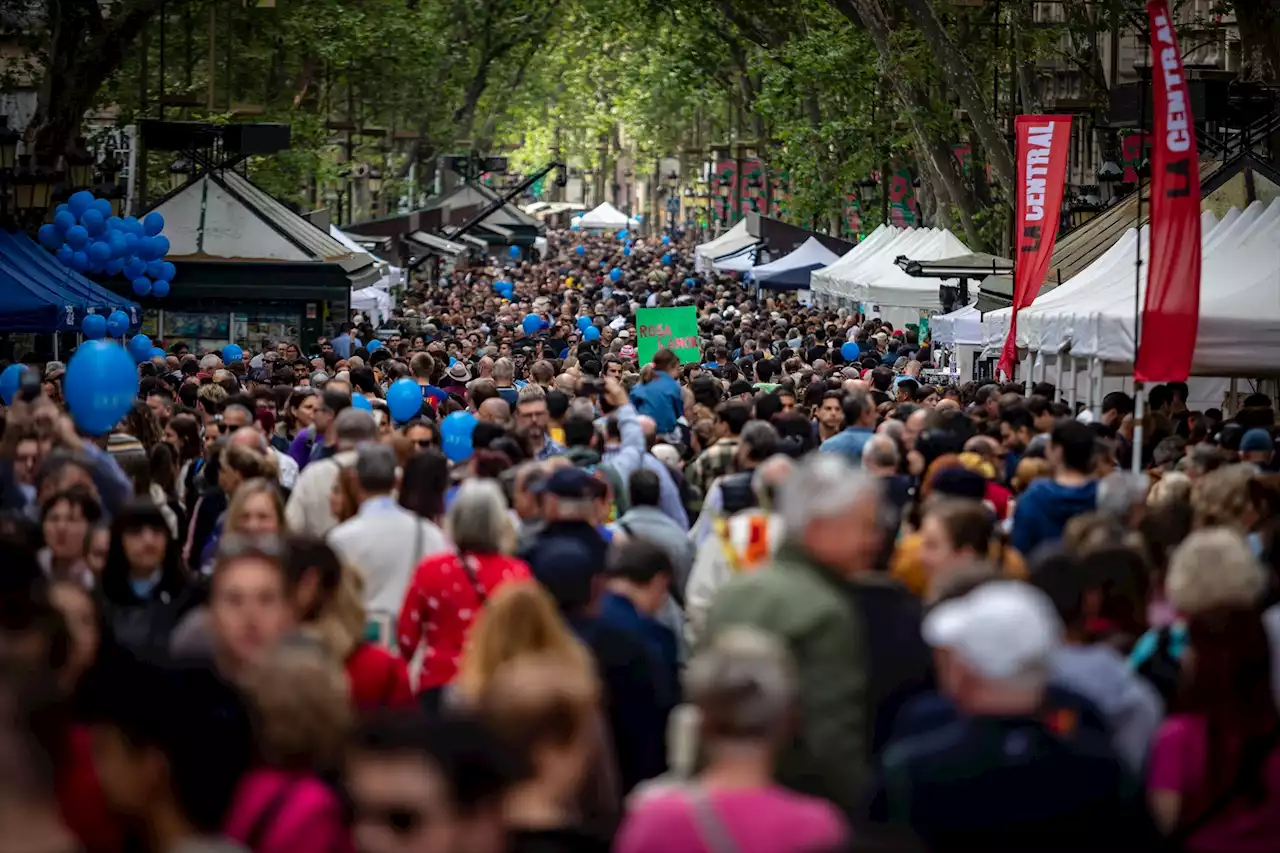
(730, 242)
(1239, 332)
(743, 260)
(390, 274)
(809, 253)
(606, 215)
(868, 273)
(962, 327)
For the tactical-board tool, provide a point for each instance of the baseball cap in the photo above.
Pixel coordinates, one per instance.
(740, 386)
(1001, 630)
(1256, 440)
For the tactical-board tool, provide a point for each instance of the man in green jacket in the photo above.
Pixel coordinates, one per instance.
(831, 516)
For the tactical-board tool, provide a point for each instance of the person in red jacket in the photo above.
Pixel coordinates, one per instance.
(329, 602)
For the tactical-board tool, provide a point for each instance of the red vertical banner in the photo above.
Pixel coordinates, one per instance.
(1042, 146)
(1171, 311)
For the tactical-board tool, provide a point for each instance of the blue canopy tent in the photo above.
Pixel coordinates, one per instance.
(792, 271)
(39, 294)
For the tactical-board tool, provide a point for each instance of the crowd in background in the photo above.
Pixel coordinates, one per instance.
(778, 599)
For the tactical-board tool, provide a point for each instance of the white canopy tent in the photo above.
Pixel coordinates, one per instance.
(389, 275)
(605, 216)
(730, 242)
(877, 279)
(962, 327)
(742, 260)
(794, 269)
(375, 300)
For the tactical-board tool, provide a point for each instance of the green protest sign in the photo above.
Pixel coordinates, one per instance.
(673, 328)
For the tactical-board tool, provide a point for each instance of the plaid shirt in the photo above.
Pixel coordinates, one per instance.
(716, 461)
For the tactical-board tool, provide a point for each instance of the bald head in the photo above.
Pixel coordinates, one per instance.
(856, 386)
(946, 404)
(251, 438)
(495, 410)
(880, 456)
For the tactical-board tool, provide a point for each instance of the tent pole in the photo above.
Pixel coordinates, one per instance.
(1071, 390)
(1057, 385)
(1029, 374)
(1232, 409)
(1139, 404)
(55, 346)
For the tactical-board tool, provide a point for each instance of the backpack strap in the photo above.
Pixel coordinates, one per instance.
(262, 823)
(711, 828)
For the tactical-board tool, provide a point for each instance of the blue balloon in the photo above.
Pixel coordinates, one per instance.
(532, 323)
(49, 237)
(373, 345)
(100, 251)
(156, 352)
(690, 282)
(102, 206)
(77, 236)
(591, 334)
(132, 225)
(135, 267)
(626, 253)
(115, 240)
(146, 248)
(154, 269)
(452, 361)
(575, 227)
(142, 286)
(850, 351)
(65, 255)
(360, 401)
(63, 220)
(130, 243)
(162, 245)
(584, 323)
(79, 261)
(622, 235)
(114, 223)
(100, 386)
(94, 327)
(514, 252)
(117, 324)
(140, 348)
(404, 399)
(93, 222)
(455, 435)
(581, 250)
(232, 353)
(666, 240)
(167, 271)
(9, 382)
(666, 259)
(115, 266)
(153, 224)
(615, 274)
(80, 202)
(160, 288)
(60, 208)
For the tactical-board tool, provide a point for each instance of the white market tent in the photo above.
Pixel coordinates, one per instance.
(730, 242)
(374, 300)
(605, 216)
(962, 327)
(743, 260)
(872, 276)
(792, 271)
(1091, 315)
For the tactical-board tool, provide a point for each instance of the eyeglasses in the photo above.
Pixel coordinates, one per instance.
(424, 443)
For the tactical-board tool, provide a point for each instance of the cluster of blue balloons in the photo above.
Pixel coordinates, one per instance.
(100, 386)
(87, 238)
(95, 327)
(849, 350)
(505, 289)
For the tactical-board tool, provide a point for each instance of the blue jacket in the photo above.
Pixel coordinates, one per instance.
(619, 612)
(660, 399)
(1045, 508)
(849, 443)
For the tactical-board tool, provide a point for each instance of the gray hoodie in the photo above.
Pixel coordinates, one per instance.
(1131, 705)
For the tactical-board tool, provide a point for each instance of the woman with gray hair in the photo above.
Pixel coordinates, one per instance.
(743, 700)
(449, 589)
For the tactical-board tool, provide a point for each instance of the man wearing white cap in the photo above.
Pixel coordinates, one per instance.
(999, 778)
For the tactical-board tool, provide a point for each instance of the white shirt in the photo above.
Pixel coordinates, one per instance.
(386, 542)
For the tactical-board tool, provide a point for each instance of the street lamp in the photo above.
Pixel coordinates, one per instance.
(375, 180)
(179, 172)
(9, 139)
(32, 188)
(79, 165)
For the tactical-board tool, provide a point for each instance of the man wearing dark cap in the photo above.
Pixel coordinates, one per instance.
(1257, 447)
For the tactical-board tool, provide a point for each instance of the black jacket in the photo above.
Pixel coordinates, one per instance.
(143, 625)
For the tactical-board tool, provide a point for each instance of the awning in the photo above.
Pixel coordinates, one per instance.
(423, 243)
(973, 265)
(39, 294)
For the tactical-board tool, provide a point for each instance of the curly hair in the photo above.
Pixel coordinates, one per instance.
(1221, 498)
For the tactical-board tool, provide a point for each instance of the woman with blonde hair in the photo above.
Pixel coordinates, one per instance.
(256, 509)
(449, 589)
(1221, 498)
(304, 715)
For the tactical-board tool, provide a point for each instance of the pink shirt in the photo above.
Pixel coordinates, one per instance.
(287, 813)
(759, 820)
(1178, 763)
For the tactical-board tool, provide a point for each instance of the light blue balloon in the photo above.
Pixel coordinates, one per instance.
(153, 224)
(584, 323)
(117, 324)
(850, 351)
(626, 253)
(532, 323)
(622, 235)
(615, 274)
(231, 354)
(360, 401)
(575, 227)
(373, 345)
(666, 240)
(455, 436)
(160, 288)
(404, 399)
(591, 334)
(9, 382)
(93, 327)
(514, 252)
(100, 386)
(156, 352)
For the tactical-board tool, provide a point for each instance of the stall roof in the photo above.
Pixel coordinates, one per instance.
(972, 265)
(426, 243)
(39, 294)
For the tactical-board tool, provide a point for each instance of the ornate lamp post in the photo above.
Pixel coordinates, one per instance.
(80, 164)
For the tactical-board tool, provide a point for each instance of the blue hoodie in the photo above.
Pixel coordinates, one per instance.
(1045, 508)
(660, 399)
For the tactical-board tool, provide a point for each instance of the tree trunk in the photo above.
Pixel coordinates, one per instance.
(955, 68)
(1259, 22)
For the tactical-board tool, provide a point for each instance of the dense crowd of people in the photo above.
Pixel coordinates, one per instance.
(775, 600)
